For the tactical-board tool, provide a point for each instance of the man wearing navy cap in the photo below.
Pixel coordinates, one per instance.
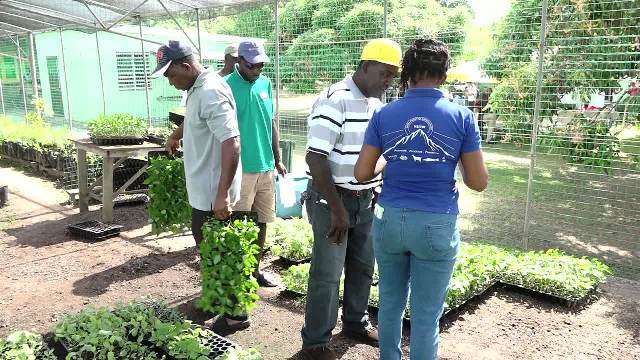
(211, 141)
(260, 139)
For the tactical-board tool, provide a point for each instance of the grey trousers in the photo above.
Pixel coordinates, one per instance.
(354, 256)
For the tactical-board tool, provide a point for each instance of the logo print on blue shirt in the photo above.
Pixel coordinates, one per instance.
(418, 142)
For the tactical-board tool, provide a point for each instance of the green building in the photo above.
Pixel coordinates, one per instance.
(105, 73)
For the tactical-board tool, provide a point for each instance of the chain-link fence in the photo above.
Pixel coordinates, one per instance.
(554, 85)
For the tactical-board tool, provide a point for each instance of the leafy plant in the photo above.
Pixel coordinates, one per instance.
(117, 125)
(100, 334)
(142, 329)
(555, 273)
(228, 259)
(190, 344)
(24, 345)
(291, 239)
(239, 354)
(296, 278)
(480, 265)
(169, 208)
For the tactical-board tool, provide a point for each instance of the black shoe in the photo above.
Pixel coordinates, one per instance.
(263, 281)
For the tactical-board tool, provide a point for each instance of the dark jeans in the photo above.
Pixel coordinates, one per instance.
(198, 218)
(355, 256)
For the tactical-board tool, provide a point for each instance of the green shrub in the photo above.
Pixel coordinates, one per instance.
(313, 62)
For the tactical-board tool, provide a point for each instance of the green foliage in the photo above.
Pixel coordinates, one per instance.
(363, 22)
(257, 22)
(514, 100)
(169, 208)
(586, 140)
(588, 53)
(190, 343)
(480, 265)
(313, 61)
(101, 334)
(291, 239)
(117, 125)
(296, 278)
(329, 12)
(37, 136)
(143, 329)
(228, 259)
(239, 354)
(36, 118)
(296, 18)
(555, 273)
(24, 345)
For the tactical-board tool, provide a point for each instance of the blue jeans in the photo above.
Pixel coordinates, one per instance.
(413, 249)
(354, 256)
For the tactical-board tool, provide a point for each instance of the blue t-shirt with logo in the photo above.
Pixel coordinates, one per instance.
(422, 136)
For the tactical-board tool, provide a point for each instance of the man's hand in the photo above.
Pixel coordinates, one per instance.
(222, 207)
(339, 224)
(172, 144)
(282, 170)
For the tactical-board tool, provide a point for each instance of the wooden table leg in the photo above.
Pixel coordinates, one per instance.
(107, 189)
(83, 191)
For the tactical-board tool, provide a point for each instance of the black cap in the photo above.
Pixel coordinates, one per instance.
(167, 54)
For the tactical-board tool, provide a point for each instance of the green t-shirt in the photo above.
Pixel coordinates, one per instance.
(255, 109)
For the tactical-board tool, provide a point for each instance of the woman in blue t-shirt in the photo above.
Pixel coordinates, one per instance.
(421, 138)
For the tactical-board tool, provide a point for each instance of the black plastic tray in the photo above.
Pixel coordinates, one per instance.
(176, 118)
(218, 346)
(569, 303)
(117, 141)
(94, 230)
(130, 199)
(156, 140)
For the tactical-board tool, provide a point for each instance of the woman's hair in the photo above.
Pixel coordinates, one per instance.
(425, 56)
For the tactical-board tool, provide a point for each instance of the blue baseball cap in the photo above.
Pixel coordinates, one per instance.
(253, 52)
(166, 54)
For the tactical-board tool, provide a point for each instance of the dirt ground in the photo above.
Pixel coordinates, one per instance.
(45, 273)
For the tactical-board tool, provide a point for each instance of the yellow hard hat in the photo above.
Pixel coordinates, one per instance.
(385, 51)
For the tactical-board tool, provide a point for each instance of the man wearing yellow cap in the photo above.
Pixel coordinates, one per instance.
(339, 207)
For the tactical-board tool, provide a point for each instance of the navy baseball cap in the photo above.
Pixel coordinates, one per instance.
(167, 54)
(253, 52)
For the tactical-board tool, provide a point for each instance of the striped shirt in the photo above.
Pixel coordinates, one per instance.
(337, 124)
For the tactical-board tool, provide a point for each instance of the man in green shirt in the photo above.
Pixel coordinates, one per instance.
(259, 139)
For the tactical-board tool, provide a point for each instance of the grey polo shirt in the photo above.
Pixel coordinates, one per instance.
(209, 120)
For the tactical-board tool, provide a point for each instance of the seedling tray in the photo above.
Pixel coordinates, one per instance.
(176, 118)
(94, 230)
(218, 345)
(156, 139)
(118, 141)
(130, 199)
(483, 290)
(569, 303)
(289, 262)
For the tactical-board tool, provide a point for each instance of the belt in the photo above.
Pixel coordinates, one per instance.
(354, 193)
